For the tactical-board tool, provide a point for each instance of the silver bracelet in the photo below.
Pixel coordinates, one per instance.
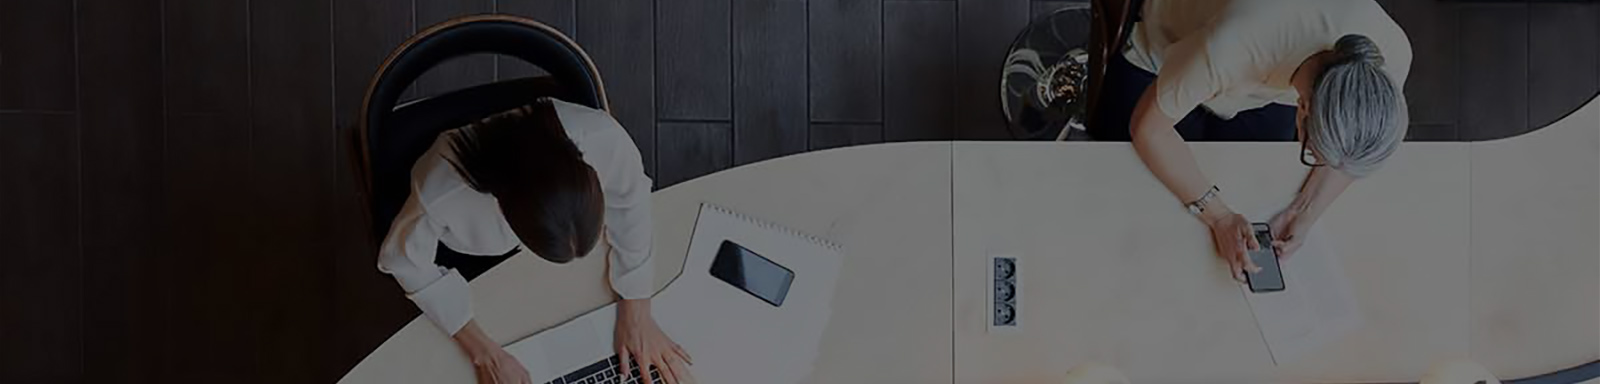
(1198, 206)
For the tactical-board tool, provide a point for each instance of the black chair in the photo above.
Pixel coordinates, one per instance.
(1111, 21)
(393, 137)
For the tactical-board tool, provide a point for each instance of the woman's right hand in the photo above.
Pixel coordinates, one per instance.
(496, 366)
(1233, 237)
(490, 363)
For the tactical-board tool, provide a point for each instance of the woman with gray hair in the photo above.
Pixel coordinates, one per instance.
(1326, 73)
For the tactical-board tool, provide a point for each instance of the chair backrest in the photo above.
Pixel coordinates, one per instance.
(1111, 21)
(394, 137)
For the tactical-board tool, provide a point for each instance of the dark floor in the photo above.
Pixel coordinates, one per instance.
(175, 205)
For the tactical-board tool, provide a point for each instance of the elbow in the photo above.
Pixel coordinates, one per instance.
(1138, 133)
(1141, 126)
(1150, 127)
(390, 261)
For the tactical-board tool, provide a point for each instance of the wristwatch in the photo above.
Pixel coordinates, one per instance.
(1198, 206)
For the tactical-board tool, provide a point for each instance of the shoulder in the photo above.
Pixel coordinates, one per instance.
(1368, 18)
(606, 147)
(598, 135)
(433, 178)
(473, 218)
(582, 122)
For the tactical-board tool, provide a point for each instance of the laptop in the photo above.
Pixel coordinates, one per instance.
(576, 352)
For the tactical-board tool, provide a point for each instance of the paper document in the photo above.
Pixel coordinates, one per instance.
(1316, 306)
(733, 336)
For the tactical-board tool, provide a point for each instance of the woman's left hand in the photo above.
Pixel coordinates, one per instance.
(640, 344)
(1289, 228)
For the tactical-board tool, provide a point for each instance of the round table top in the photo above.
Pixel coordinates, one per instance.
(1486, 251)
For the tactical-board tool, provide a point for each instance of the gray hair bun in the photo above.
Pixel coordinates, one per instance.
(1358, 113)
(1357, 48)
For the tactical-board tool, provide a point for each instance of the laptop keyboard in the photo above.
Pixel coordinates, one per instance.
(605, 372)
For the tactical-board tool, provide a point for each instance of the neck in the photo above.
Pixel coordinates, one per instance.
(1305, 76)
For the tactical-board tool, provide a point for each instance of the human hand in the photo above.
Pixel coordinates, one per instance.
(1289, 229)
(490, 363)
(499, 367)
(641, 345)
(1233, 237)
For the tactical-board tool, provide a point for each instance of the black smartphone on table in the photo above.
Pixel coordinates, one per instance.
(1270, 278)
(752, 273)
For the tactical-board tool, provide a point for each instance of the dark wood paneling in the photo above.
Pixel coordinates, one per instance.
(835, 135)
(206, 167)
(985, 28)
(620, 36)
(37, 61)
(693, 149)
(364, 33)
(920, 91)
(1494, 76)
(1431, 132)
(461, 72)
(292, 169)
(1562, 57)
(3, 144)
(694, 56)
(1042, 8)
(119, 42)
(769, 107)
(41, 285)
(369, 306)
(206, 50)
(208, 261)
(560, 14)
(846, 56)
(1433, 82)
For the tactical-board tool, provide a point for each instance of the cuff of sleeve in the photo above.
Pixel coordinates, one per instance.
(447, 302)
(636, 283)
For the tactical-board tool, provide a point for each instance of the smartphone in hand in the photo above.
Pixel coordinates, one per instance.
(1270, 277)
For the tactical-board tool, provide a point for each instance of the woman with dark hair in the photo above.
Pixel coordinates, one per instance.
(554, 177)
(1326, 73)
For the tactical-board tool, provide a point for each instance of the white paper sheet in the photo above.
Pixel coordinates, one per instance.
(733, 336)
(1316, 306)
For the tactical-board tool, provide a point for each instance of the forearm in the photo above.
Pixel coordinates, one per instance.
(1322, 186)
(474, 341)
(633, 308)
(1165, 153)
(1169, 159)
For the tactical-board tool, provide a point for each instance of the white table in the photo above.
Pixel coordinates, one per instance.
(1485, 251)
(888, 206)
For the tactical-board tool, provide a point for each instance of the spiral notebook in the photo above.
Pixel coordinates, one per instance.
(735, 337)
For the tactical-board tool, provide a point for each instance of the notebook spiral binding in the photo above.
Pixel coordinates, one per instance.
(769, 225)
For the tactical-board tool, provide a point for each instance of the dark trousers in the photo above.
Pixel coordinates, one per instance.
(470, 266)
(1125, 83)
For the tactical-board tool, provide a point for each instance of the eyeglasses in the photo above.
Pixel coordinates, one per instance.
(1307, 157)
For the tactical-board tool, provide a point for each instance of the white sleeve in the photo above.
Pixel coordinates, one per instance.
(628, 218)
(615, 158)
(1188, 76)
(408, 253)
(628, 215)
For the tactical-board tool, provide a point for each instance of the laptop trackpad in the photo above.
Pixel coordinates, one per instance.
(575, 344)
